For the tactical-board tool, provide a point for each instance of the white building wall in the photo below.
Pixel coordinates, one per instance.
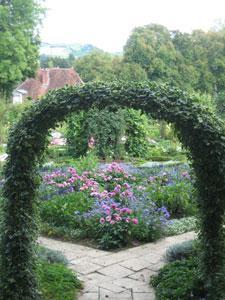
(17, 98)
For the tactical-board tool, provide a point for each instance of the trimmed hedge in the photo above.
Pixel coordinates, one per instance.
(199, 130)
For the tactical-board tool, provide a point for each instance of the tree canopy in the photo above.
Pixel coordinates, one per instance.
(99, 65)
(194, 61)
(19, 41)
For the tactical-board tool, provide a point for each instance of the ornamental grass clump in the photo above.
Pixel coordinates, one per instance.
(174, 189)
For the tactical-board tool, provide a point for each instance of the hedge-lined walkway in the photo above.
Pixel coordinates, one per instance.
(116, 275)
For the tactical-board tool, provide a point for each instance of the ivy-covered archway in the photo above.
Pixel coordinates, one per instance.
(199, 131)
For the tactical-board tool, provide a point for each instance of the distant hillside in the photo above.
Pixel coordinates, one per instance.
(64, 50)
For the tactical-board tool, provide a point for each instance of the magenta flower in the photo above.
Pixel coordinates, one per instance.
(126, 185)
(102, 220)
(185, 175)
(134, 221)
(108, 218)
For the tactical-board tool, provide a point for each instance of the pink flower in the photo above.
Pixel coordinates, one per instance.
(117, 188)
(107, 211)
(84, 187)
(134, 221)
(104, 194)
(126, 185)
(95, 194)
(127, 193)
(185, 175)
(117, 218)
(112, 222)
(128, 220)
(108, 218)
(112, 194)
(127, 210)
(102, 220)
(141, 188)
(104, 206)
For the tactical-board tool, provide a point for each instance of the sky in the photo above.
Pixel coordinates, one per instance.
(108, 24)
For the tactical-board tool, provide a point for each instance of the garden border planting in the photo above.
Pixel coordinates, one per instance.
(200, 132)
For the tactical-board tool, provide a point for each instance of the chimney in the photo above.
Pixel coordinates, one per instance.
(45, 77)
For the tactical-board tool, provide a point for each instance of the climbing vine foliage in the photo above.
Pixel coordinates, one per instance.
(199, 131)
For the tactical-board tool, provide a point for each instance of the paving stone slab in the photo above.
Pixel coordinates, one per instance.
(152, 260)
(97, 277)
(111, 287)
(156, 267)
(144, 296)
(115, 271)
(90, 287)
(143, 275)
(88, 296)
(105, 294)
(85, 268)
(135, 264)
(112, 259)
(138, 287)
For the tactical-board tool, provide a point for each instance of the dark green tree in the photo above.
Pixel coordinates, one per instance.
(99, 65)
(19, 41)
(95, 66)
(151, 47)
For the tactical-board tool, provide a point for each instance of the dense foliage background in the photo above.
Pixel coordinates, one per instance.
(193, 61)
(19, 41)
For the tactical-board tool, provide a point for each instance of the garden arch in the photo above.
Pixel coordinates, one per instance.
(199, 131)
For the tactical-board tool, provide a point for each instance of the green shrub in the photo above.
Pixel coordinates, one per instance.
(9, 114)
(88, 162)
(114, 132)
(147, 232)
(137, 133)
(181, 251)
(179, 197)
(179, 280)
(57, 282)
(220, 104)
(60, 210)
(179, 226)
(112, 237)
(51, 256)
(105, 126)
(63, 232)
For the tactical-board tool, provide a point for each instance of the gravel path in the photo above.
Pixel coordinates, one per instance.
(120, 275)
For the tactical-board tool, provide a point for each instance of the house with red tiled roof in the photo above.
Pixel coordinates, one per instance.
(45, 80)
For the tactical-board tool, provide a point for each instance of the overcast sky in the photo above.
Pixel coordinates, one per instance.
(107, 24)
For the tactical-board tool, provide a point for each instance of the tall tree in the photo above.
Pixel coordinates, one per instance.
(151, 47)
(194, 61)
(19, 41)
(99, 65)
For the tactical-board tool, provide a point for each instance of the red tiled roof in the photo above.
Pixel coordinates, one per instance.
(48, 79)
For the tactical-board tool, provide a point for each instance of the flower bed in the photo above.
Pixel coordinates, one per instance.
(114, 207)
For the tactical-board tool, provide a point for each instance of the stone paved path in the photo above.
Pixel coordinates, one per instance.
(120, 275)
